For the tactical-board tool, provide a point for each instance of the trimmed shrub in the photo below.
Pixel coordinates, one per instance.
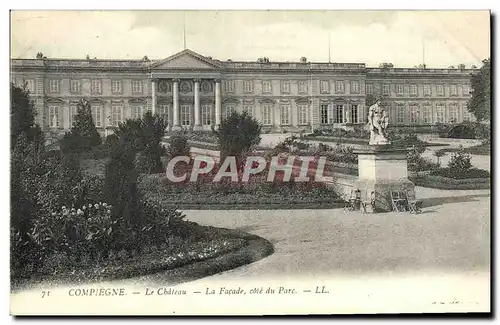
(472, 173)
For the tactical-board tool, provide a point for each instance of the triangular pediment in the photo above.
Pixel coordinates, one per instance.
(186, 59)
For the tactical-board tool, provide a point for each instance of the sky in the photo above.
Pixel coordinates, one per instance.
(404, 38)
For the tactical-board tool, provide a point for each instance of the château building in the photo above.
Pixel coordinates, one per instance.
(194, 91)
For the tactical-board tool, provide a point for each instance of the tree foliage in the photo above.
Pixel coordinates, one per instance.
(84, 134)
(237, 134)
(480, 102)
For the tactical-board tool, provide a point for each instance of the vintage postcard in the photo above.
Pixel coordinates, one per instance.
(228, 162)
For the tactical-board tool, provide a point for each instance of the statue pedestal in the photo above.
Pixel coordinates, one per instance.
(382, 170)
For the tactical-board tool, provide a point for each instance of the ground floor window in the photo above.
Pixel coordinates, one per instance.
(285, 114)
(185, 115)
(303, 114)
(206, 114)
(229, 109)
(248, 109)
(414, 114)
(427, 114)
(54, 116)
(267, 114)
(354, 113)
(163, 112)
(137, 111)
(453, 114)
(73, 112)
(400, 114)
(116, 115)
(440, 113)
(97, 115)
(339, 113)
(467, 114)
(324, 113)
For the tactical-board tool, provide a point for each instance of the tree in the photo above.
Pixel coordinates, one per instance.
(438, 154)
(237, 134)
(22, 112)
(83, 135)
(480, 102)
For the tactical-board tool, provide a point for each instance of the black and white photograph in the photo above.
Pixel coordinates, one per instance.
(250, 162)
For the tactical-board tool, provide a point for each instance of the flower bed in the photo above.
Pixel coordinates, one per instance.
(445, 183)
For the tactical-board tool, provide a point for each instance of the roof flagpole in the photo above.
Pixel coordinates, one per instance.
(329, 46)
(184, 30)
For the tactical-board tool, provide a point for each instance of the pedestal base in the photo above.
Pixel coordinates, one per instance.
(176, 128)
(197, 128)
(382, 170)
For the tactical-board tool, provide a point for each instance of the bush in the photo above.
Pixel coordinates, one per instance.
(83, 135)
(471, 173)
(460, 162)
(178, 146)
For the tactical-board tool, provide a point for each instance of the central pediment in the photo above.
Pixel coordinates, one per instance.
(186, 59)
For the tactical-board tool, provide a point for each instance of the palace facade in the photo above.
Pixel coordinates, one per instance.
(194, 91)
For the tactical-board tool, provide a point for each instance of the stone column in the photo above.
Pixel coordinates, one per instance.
(197, 122)
(153, 95)
(175, 91)
(347, 112)
(218, 100)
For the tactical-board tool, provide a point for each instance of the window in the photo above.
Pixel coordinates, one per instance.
(427, 90)
(30, 85)
(248, 109)
(163, 111)
(229, 109)
(453, 90)
(75, 86)
(97, 115)
(54, 86)
(354, 113)
(266, 114)
(266, 87)
(339, 113)
(324, 113)
(467, 114)
(137, 111)
(439, 113)
(386, 90)
(324, 87)
(116, 115)
(116, 86)
(285, 114)
(427, 114)
(453, 117)
(206, 114)
(285, 86)
(414, 114)
(54, 116)
(354, 87)
(303, 114)
(73, 111)
(400, 117)
(228, 86)
(137, 86)
(399, 90)
(95, 86)
(185, 115)
(466, 90)
(369, 89)
(303, 87)
(339, 86)
(413, 90)
(440, 90)
(248, 86)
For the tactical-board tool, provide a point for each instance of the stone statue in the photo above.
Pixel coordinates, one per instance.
(109, 121)
(378, 122)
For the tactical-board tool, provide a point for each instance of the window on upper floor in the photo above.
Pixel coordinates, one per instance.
(453, 90)
(339, 86)
(386, 89)
(413, 90)
(75, 86)
(54, 86)
(440, 90)
(354, 87)
(228, 86)
(303, 86)
(324, 87)
(427, 90)
(137, 86)
(30, 85)
(266, 86)
(285, 86)
(96, 87)
(399, 90)
(116, 86)
(248, 86)
(369, 89)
